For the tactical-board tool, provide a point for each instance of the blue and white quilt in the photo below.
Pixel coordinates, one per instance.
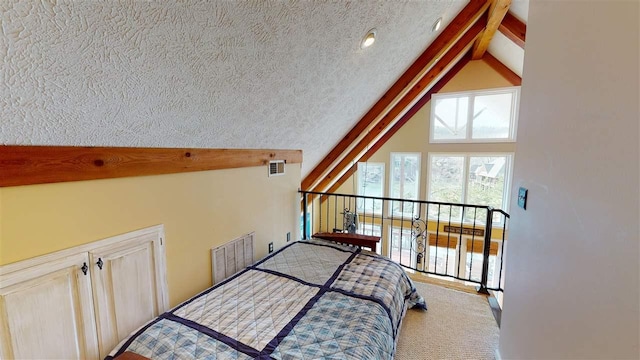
(311, 300)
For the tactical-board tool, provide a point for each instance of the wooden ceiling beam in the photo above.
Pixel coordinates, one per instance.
(501, 69)
(468, 16)
(497, 12)
(28, 165)
(437, 71)
(514, 29)
(403, 120)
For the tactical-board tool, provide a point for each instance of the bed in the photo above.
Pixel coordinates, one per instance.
(312, 299)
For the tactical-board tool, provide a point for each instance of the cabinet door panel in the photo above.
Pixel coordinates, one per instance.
(127, 290)
(47, 312)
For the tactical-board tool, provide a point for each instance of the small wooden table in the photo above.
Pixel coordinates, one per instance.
(368, 241)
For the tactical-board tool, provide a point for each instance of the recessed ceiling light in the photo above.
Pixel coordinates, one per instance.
(436, 25)
(368, 39)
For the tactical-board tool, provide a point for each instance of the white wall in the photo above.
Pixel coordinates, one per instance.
(573, 269)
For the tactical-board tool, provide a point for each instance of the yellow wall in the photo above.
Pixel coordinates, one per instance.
(414, 135)
(0, 225)
(199, 210)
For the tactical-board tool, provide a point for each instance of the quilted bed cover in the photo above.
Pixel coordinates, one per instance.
(310, 300)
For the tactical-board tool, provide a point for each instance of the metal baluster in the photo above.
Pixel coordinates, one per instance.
(402, 230)
(435, 262)
(473, 238)
(486, 251)
(504, 230)
(425, 235)
(320, 213)
(382, 228)
(335, 211)
(304, 215)
(449, 242)
(460, 237)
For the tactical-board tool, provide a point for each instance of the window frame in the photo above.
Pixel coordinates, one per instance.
(402, 231)
(513, 125)
(361, 207)
(391, 182)
(508, 178)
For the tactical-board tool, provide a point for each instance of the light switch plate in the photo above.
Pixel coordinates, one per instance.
(522, 197)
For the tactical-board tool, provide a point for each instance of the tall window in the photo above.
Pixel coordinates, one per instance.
(401, 245)
(372, 230)
(477, 179)
(475, 116)
(370, 183)
(404, 182)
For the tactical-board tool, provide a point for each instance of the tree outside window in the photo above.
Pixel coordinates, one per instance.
(370, 183)
(468, 179)
(404, 183)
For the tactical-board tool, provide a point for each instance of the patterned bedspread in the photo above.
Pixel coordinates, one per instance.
(310, 300)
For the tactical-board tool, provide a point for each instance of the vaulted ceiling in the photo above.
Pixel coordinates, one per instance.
(220, 74)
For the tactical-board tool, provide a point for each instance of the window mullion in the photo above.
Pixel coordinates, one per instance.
(508, 177)
(455, 124)
(465, 177)
(470, 112)
(402, 175)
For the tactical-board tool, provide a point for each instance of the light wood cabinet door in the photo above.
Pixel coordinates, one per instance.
(129, 287)
(46, 311)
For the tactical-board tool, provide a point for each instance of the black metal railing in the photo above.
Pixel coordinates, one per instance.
(460, 241)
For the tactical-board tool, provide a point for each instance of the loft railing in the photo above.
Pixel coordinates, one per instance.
(460, 241)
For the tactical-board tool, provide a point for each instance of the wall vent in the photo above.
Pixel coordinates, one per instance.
(276, 167)
(231, 257)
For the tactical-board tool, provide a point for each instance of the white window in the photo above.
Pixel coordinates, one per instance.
(402, 248)
(475, 116)
(442, 253)
(474, 258)
(476, 179)
(404, 183)
(372, 230)
(370, 183)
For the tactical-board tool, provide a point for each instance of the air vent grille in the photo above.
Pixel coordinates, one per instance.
(276, 167)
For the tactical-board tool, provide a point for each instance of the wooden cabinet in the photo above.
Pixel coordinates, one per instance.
(46, 311)
(80, 302)
(126, 287)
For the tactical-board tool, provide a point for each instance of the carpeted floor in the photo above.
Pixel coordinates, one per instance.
(457, 325)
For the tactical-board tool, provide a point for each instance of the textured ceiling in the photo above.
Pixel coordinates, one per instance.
(215, 74)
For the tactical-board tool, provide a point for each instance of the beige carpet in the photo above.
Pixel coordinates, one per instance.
(457, 325)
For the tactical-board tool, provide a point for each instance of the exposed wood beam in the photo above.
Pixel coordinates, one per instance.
(27, 165)
(403, 120)
(468, 16)
(401, 106)
(514, 29)
(499, 67)
(497, 11)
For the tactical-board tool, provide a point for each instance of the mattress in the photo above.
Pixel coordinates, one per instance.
(310, 300)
